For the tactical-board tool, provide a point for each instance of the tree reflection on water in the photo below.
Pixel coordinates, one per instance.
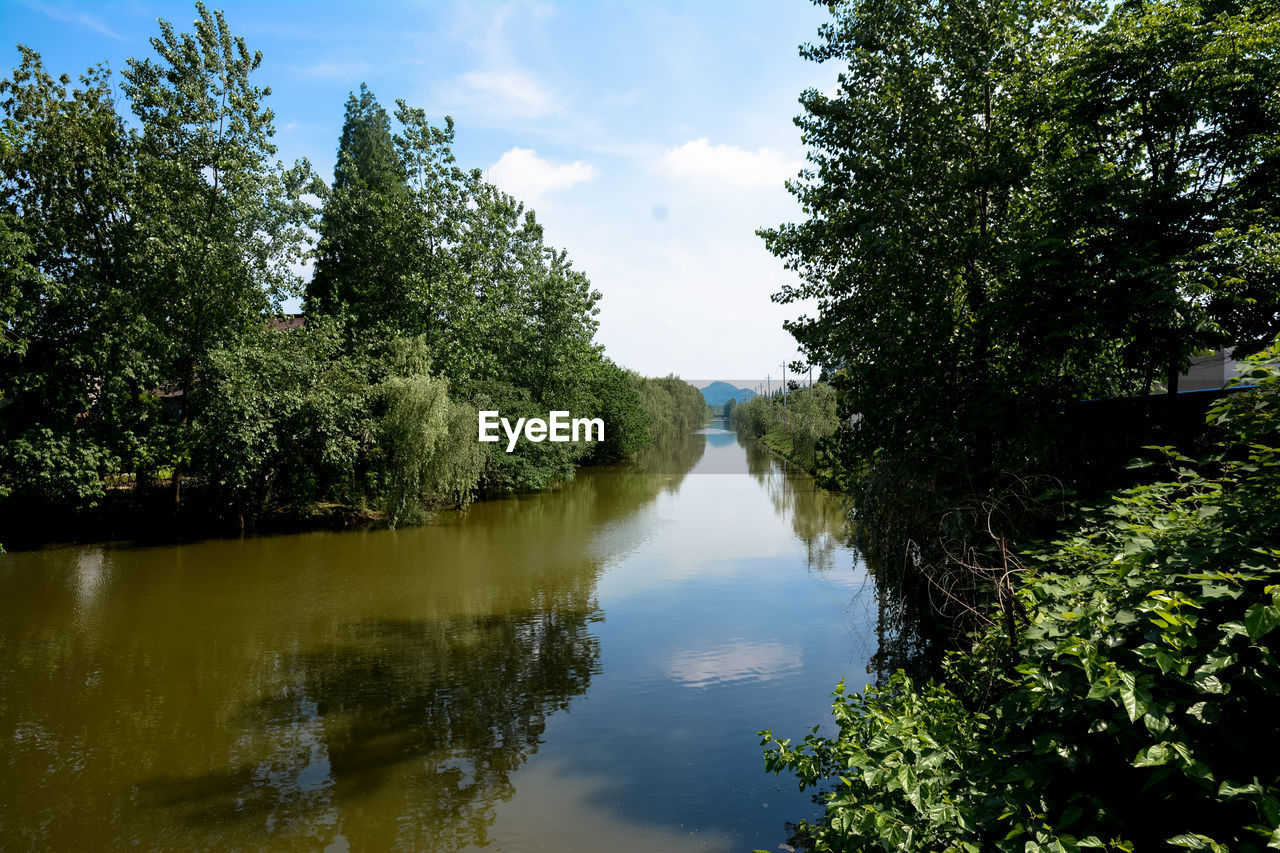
(819, 517)
(435, 713)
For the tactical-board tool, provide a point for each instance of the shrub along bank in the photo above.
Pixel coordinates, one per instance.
(1133, 702)
(793, 426)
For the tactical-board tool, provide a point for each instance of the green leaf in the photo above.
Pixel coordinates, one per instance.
(1260, 619)
(1130, 698)
(1153, 756)
(1195, 841)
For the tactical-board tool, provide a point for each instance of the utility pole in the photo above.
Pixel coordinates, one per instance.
(784, 383)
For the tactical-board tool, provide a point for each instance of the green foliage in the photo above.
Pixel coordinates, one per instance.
(429, 443)
(1137, 706)
(18, 279)
(809, 417)
(76, 350)
(1169, 114)
(143, 270)
(413, 246)
(220, 222)
(58, 468)
(282, 421)
(617, 395)
(755, 417)
(143, 251)
(673, 406)
(798, 423)
(1014, 205)
(364, 214)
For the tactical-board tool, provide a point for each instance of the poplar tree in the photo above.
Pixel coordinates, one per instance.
(1014, 205)
(1165, 123)
(220, 221)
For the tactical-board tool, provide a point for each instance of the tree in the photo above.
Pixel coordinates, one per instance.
(1014, 205)
(428, 442)
(617, 402)
(361, 266)
(1170, 114)
(78, 356)
(916, 209)
(811, 417)
(920, 252)
(219, 221)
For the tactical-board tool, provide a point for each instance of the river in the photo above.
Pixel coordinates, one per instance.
(580, 669)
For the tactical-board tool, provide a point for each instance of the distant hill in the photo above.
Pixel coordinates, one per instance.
(719, 393)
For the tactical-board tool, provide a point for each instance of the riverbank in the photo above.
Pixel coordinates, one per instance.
(148, 516)
(793, 426)
(1125, 696)
(399, 467)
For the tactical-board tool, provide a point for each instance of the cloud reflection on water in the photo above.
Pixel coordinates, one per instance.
(740, 660)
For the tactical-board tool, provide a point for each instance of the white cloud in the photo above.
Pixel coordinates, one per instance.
(698, 159)
(502, 94)
(528, 177)
(71, 16)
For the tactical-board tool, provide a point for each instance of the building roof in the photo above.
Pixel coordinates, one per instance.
(286, 322)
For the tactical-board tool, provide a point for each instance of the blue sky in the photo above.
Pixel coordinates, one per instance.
(652, 138)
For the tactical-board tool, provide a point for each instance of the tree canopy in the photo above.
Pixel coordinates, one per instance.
(1013, 205)
(146, 262)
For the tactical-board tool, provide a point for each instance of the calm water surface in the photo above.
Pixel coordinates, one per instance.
(584, 669)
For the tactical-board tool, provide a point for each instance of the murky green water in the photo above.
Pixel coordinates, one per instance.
(584, 669)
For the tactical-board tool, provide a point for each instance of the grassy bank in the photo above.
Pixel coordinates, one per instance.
(793, 426)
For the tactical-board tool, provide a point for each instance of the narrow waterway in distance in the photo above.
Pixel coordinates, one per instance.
(582, 669)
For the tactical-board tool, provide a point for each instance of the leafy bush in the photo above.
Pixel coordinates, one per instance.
(282, 418)
(59, 468)
(796, 425)
(1139, 705)
(617, 400)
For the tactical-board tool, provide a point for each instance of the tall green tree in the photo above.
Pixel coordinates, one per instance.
(1014, 205)
(220, 221)
(78, 357)
(916, 250)
(414, 246)
(916, 205)
(358, 268)
(1165, 132)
